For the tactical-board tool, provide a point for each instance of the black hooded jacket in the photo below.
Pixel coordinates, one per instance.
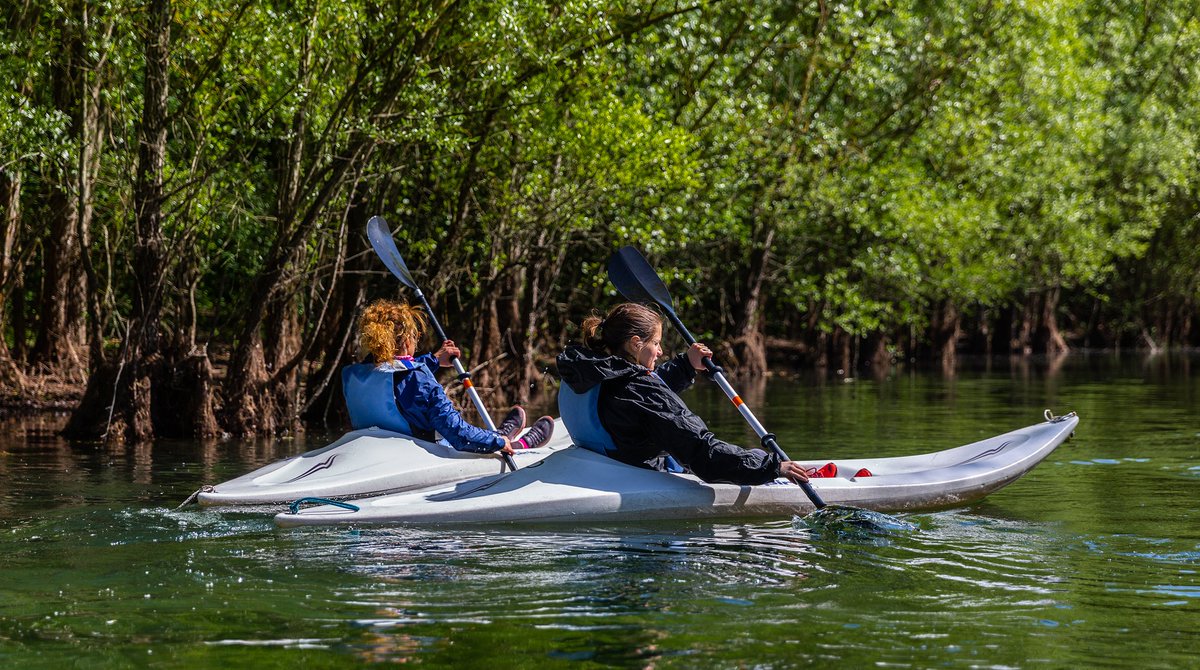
(646, 417)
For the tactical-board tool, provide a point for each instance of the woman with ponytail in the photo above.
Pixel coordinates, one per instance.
(639, 406)
(394, 391)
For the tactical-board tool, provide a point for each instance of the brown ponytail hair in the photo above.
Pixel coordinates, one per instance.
(622, 323)
(385, 323)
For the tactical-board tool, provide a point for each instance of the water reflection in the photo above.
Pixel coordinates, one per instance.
(595, 591)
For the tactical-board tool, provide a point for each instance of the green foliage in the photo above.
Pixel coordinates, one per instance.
(885, 159)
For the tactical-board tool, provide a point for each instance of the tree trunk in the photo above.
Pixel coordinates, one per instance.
(12, 379)
(325, 404)
(278, 398)
(750, 345)
(487, 344)
(947, 327)
(547, 262)
(840, 346)
(881, 357)
(243, 406)
(57, 345)
(128, 414)
(20, 320)
(283, 340)
(1023, 327)
(183, 398)
(61, 335)
(1186, 312)
(90, 143)
(518, 339)
(1048, 334)
(148, 260)
(821, 351)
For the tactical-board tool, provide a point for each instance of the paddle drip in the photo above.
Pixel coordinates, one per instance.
(842, 520)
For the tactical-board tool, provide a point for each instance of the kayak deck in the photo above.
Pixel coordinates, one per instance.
(577, 484)
(368, 462)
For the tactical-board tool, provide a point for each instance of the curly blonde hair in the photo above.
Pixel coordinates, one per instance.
(384, 324)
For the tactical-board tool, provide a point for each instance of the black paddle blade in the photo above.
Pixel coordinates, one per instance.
(629, 271)
(385, 248)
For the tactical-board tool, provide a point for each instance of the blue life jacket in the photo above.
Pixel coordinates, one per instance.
(581, 415)
(370, 395)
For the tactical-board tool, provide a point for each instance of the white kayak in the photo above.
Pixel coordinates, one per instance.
(368, 462)
(580, 485)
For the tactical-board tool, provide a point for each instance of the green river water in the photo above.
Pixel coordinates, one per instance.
(1090, 560)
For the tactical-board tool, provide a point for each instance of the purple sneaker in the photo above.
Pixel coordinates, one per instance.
(538, 434)
(512, 424)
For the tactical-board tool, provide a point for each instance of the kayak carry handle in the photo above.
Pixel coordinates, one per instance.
(294, 508)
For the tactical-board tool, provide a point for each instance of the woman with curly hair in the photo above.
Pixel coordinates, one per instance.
(397, 392)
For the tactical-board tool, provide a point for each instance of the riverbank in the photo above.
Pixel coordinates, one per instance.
(41, 394)
(54, 394)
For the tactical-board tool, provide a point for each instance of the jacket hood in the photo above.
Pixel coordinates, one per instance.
(581, 368)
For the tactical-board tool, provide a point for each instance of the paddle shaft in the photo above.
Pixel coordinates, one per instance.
(463, 376)
(767, 438)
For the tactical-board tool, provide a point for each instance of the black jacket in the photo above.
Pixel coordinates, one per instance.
(645, 417)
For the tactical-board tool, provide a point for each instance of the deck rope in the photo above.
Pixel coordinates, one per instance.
(192, 498)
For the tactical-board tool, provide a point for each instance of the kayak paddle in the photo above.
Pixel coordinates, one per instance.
(385, 246)
(636, 280)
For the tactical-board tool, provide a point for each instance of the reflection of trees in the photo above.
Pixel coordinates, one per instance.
(31, 451)
(1054, 364)
(38, 465)
(1167, 366)
(143, 463)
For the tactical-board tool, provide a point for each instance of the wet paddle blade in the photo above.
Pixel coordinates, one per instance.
(385, 247)
(629, 271)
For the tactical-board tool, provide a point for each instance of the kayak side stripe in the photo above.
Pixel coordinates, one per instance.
(323, 465)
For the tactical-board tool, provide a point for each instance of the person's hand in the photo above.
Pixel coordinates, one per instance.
(697, 353)
(507, 448)
(793, 471)
(449, 350)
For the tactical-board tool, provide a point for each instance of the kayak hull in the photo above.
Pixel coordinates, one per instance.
(365, 463)
(579, 485)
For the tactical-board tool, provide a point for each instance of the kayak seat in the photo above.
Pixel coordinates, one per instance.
(369, 391)
(581, 415)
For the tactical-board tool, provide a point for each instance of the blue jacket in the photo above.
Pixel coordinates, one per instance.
(423, 403)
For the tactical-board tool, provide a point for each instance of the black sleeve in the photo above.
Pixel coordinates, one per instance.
(678, 373)
(645, 419)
